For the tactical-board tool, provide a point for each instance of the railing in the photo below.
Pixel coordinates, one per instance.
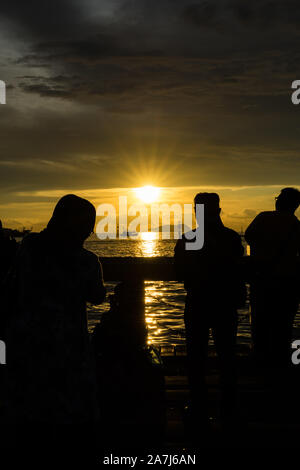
(133, 271)
(129, 269)
(160, 268)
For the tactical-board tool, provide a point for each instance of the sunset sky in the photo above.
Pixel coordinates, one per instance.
(108, 95)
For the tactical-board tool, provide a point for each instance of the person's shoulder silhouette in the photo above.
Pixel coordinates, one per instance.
(276, 233)
(215, 261)
(219, 241)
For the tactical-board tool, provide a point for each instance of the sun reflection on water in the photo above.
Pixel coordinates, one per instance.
(148, 243)
(165, 300)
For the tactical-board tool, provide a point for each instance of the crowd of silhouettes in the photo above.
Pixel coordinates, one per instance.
(51, 375)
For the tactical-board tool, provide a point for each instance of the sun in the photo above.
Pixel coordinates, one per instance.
(147, 193)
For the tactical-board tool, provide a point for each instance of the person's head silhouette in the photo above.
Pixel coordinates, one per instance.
(211, 203)
(288, 200)
(73, 219)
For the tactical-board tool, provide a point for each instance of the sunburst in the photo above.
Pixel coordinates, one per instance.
(148, 193)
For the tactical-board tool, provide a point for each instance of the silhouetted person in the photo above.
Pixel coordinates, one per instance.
(50, 371)
(8, 247)
(213, 291)
(274, 239)
(131, 378)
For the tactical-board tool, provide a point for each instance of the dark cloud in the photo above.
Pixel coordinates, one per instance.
(282, 15)
(42, 19)
(274, 14)
(150, 49)
(203, 15)
(47, 91)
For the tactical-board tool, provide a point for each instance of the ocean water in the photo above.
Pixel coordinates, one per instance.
(164, 300)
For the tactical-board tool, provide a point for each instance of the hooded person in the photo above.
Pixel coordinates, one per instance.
(50, 372)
